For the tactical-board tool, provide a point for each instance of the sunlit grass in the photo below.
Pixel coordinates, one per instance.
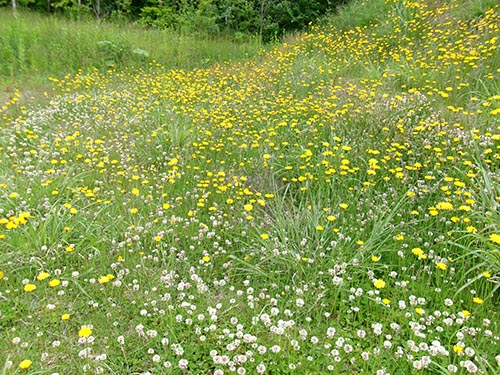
(330, 207)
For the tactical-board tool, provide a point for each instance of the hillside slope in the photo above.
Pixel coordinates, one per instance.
(328, 207)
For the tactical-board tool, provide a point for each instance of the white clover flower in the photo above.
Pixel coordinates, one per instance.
(261, 368)
(275, 349)
(330, 332)
(183, 364)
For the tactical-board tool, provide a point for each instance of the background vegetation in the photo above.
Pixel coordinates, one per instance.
(267, 19)
(35, 47)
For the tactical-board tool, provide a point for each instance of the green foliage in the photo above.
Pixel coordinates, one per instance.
(158, 17)
(267, 19)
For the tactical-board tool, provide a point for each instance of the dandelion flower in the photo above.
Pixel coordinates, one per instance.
(445, 206)
(54, 282)
(442, 266)
(29, 287)
(65, 316)
(477, 300)
(419, 252)
(419, 310)
(495, 238)
(379, 284)
(25, 364)
(103, 279)
(42, 276)
(85, 331)
(264, 236)
(206, 259)
(1, 275)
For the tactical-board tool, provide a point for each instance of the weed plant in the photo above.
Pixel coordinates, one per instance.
(331, 207)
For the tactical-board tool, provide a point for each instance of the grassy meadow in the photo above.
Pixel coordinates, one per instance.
(34, 47)
(330, 206)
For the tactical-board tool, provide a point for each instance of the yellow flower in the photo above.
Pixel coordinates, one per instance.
(103, 279)
(379, 284)
(319, 228)
(54, 282)
(458, 349)
(65, 316)
(25, 364)
(264, 236)
(23, 216)
(477, 300)
(495, 238)
(465, 313)
(135, 191)
(386, 301)
(42, 276)
(330, 218)
(73, 211)
(70, 248)
(344, 206)
(419, 252)
(84, 331)
(441, 266)
(29, 287)
(133, 210)
(166, 206)
(444, 206)
(1, 275)
(433, 212)
(375, 258)
(206, 259)
(248, 207)
(419, 311)
(486, 275)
